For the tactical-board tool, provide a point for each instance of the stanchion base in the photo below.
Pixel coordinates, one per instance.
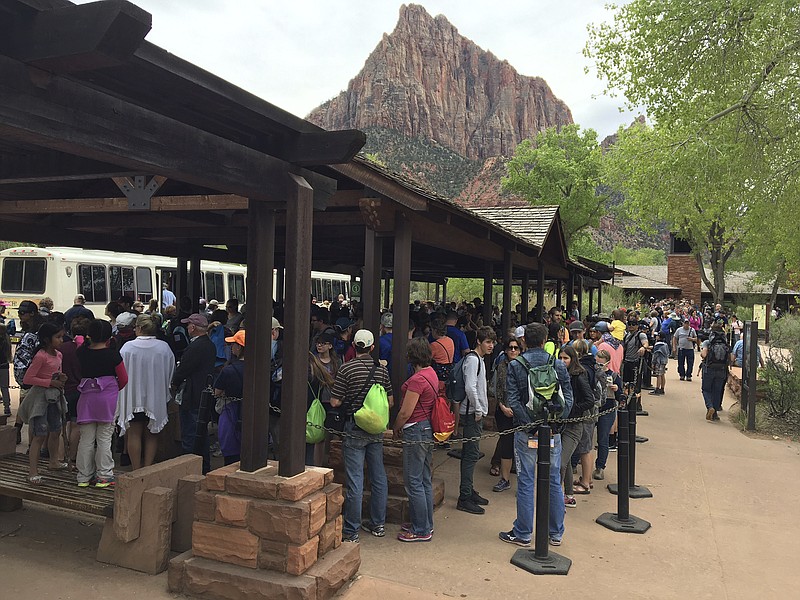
(631, 525)
(640, 439)
(553, 564)
(634, 491)
(642, 413)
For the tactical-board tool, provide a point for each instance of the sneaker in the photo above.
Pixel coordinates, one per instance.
(409, 527)
(103, 482)
(353, 538)
(84, 484)
(376, 530)
(408, 536)
(510, 538)
(661, 392)
(688, 378)
(710, 414)
(502, 485)
(683, 378)
(470, 507)
(612, 448)
(478, 499)
(655, 392)
(555, 541)
(7, 411)
(715, 417)
(570, 502)
(598, 474)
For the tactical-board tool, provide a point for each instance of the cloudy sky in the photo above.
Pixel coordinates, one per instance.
(296, 54)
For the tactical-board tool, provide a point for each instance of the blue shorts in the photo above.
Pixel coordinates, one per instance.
(50, 422)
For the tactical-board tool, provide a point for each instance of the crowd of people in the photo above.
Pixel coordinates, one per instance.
(118, 375)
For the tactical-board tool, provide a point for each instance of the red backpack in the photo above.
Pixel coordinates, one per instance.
(443, 421)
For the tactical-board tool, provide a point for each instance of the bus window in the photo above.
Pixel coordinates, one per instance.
(214, 287)
(235, 288)
(121, 282)
(24, 275)
(144, 284)
(92, 281)
(336, 288)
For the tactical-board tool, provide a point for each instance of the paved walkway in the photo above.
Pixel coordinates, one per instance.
(724, 526)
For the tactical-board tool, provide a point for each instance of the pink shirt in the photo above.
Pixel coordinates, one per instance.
(425, 383)
(616, 355)
(43, 366)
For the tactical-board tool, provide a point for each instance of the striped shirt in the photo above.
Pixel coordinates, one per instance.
(351, 378)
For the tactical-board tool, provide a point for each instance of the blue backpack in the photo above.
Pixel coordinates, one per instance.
(458, 391)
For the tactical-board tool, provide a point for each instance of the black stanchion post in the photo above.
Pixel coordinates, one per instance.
(634, 491)
(639, 376)
(540, 561)
(622, 521)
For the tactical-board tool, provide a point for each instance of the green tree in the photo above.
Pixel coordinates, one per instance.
(560, 168)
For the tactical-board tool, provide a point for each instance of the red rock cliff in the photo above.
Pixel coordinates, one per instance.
(425, 79)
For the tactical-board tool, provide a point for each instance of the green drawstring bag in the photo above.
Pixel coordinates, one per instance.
(373, 416)
(315, 417)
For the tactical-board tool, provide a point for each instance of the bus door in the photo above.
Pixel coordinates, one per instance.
(168, 276)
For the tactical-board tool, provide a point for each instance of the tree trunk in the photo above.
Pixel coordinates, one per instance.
(779, 276)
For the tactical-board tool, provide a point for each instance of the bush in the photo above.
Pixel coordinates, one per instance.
(783, 380)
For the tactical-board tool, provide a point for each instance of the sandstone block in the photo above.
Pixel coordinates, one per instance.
(273, 555)
(393, 456)
(326, 537)
(317, 504)
(327, 473)
(299, 558)
(129, 488)
(218, 581)
(231, 510)
(438, 491)
(301, 485)
(182, 527)
(335, 500)
(225, 544)
(280, 521)
(149, 552)
(215, 480)
(335, 569)
(262, 484)
(337, 537)
(176, 571)
(8, 440)
(204, 506)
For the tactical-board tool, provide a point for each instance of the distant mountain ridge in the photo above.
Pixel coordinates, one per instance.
(427, 80)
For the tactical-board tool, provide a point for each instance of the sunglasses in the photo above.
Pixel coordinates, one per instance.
(514, 348)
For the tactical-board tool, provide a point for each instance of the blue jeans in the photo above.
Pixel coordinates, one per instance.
(714, 380)
(604, 425)
(190, 432)
(685, 355)
(417, 474)
(526, 476)
(470, 451)
(367, 448)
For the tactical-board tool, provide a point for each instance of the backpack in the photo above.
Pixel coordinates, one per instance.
(179, 340)
(443, 421)
(459, 390)
(544, 392)
(373, 416)
(444, 371)
(718, 351)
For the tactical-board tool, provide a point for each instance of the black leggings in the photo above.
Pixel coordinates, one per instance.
(506, 442)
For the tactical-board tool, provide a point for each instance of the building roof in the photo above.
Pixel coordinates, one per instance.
(655, 277)
(532, 223)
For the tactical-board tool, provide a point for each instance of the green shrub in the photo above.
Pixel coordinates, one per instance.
(783, 380)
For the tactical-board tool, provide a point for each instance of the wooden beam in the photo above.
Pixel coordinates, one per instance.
(110, 205)
(431, 234)
(76, 38)
(297, 315)
(323, 147)
(257, 384)
(44, 165)
(488, 281)
(375, 180)
(371, 284)
(64, 115)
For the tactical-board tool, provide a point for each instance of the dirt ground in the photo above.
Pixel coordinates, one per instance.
(722, 528)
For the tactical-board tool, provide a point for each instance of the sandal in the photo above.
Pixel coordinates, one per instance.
(35, 479)
(579, 488)
(494, 471)
(59, 467)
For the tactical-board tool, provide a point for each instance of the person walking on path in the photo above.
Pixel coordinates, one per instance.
(717, 356)
(683, 344)
(473, 409)
(525, 443)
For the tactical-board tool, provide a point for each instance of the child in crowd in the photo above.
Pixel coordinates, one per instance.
(103, 375)
(606, 424)
(44, 406)
(617, 327)
(660, 360)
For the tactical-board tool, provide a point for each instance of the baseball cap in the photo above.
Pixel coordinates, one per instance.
(27, 306)
(276, 324)
(519, 332)
(324, 338)
(363, 339)
(236, 338)
(576, 326)
(601, 326)
(343, 323)
(386, 320)
(213, 302)
(673, 315)
(126, 319)
(197, 320)
(79, 298)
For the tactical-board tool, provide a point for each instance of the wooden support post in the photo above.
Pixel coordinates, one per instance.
(540, 310)
(444, 291)
(386, 295)
(260, 262)
(195, 285)
(570, 295)
(580, 296)
(488, 281)
(371, 284)
(600, 299)
(182, 283)
(558, 293)
(526, 286)
(280, 286)
(591, 302)
(400, 299)
(508, 279)
(299, 229)
(436, 297)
